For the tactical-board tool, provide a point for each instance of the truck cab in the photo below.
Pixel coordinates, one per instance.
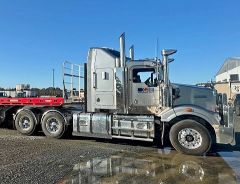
(134, 99)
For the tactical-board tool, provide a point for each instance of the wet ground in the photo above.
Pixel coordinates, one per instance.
(165, 166)
(36, 159)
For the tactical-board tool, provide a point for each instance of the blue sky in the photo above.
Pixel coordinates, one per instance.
(37, 36)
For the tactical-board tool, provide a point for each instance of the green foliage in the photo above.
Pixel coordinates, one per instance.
(48, 91)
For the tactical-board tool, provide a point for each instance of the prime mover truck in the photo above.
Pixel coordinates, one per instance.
(131, 99)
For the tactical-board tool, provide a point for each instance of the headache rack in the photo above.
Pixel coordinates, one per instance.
(73, 82)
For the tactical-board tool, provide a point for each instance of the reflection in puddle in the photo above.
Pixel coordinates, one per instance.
(152, 168)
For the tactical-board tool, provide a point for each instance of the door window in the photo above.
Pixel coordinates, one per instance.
(145, 75)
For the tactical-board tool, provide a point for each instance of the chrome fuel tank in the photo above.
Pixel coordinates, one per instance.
(92, 124)
(105, 125)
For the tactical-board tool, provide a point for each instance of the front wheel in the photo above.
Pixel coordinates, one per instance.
(190, 137)
(53, 125)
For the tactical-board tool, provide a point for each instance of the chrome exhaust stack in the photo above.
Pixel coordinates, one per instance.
(123, 66)
(122, 50)
(131, 52)
(166, 92)
(166, 60)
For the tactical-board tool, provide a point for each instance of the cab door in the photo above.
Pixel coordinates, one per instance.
(105, 94)
(144, 89)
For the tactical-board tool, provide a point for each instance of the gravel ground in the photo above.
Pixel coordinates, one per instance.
(36, 159)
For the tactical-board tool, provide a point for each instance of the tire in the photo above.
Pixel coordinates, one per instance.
(190, 137)
(53, 125)
(25, 122)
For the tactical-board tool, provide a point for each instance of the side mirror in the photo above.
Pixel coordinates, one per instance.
(168, 52)
(170, 60)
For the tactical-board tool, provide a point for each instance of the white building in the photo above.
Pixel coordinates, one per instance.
(230, 70)
(227, 78)
(22, 90)
(21, 87)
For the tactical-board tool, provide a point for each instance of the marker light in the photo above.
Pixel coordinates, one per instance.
(188, 110)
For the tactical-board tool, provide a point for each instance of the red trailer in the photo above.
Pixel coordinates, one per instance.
(51, 101)
(25, 114)
(53, 114)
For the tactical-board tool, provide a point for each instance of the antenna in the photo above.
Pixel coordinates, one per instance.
(156, 49)
(157, 69)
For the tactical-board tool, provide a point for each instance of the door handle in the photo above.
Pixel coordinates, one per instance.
(94, 80)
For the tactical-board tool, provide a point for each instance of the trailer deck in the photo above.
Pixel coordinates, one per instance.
(50, 101)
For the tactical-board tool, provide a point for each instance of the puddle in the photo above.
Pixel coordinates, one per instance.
(161, 167)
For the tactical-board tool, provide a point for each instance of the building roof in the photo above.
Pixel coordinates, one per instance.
(229, 64)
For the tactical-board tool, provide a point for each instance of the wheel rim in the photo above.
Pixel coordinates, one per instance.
(53, 125)
(190, 138)
(25, 123)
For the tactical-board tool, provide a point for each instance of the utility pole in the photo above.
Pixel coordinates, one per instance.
(53, 82)
(53, 77)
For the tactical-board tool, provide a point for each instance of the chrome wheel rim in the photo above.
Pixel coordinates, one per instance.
(25, 123)
(190, 138)
(53, 125)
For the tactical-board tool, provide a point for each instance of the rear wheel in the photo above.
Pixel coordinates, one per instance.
(25, 122)
(190, 137)
(53, 125)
